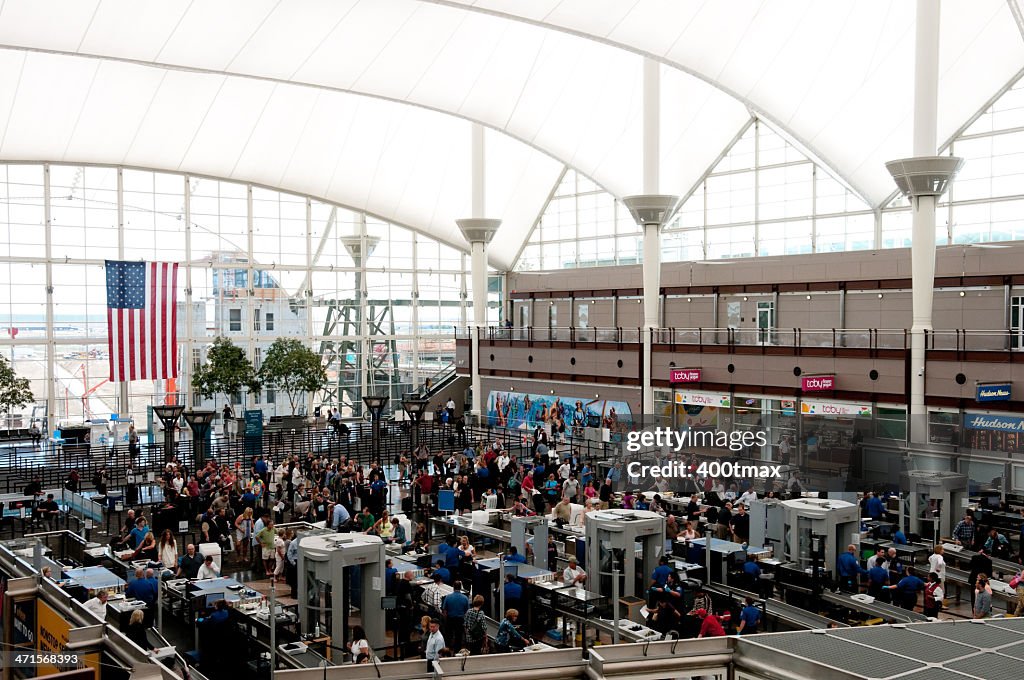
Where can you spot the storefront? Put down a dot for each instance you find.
(776, 417)
(831, 430)
(987, 431)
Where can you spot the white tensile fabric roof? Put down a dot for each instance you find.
(369, 103)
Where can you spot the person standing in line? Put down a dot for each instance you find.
(434, 644)
(982, 598)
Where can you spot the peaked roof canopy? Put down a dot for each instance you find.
(368, 103)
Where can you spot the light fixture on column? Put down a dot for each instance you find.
(924, 175)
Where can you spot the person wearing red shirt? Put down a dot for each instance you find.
(710, 626)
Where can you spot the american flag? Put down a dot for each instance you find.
(142, 320)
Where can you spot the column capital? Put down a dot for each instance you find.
(647, 209)
(924, 175)
(478, 229)
(354, 246)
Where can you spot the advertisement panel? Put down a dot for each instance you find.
(702, 408)
(983, 421)
(684, 375)
(834, 408)
(994, 392)
(704, 399)
(817, 383)
(516, 410)
(52, 639)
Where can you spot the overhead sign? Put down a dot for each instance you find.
(817, 383)
(834, 408)
(982, 421)
(704, 399)
(684, 375)
(993, 392)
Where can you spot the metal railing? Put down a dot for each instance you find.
(830, 338)
(962, 340)
(435, 382)
(20, 464)
(617, 335)
(862, 338)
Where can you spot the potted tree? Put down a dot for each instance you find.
(227, 370)
(15, 392)
(294, 369)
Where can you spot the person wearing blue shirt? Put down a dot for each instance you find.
(899, 538)
(390, 576)
(878, 577)
(453, 611)
(139, 532)
(513, 592)
(339, 516)
(750, 616)
(848, 567)
(661, 572)
(874, 507)
(220, 613)
(753, 573)
(440, 570)
(143, 589)
(514, 556)
(908, 587)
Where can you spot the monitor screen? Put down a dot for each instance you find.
(738, 558)
(883, 532)
(211, 599)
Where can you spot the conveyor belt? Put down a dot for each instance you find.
(1000, 589)
(877, 609)
(777, 609)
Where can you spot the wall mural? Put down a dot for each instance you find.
(516, 410)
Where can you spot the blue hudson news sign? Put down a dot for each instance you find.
(981, 421)
(993, 392)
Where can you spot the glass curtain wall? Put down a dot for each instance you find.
(377, 301)
(766, 198)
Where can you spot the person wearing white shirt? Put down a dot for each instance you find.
(435, 643)
(564, 470)
(878, 559)
(748, 497)
(937, 564)
(503, 461)
(573, 575)
(98, 604)
(208, 569)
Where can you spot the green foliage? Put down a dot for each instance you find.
(294, 368)
(15, 392)
(226, 371)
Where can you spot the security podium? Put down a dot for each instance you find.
(933, 501)
(627, 541)
(336, 570)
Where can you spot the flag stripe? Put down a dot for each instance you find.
(142, 320)
(153, 326)
(172, 359)
(133, 352)
(110, 344)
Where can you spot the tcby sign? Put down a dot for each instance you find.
(684, 375)
(817, 383)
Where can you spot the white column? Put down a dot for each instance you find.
(651, 232)
(51, 346)
(478, 231)
(187, 365)
(306, 298)
(122, 387)
(926, 87)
